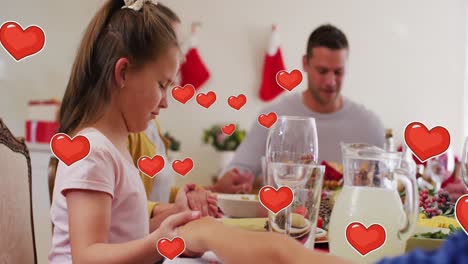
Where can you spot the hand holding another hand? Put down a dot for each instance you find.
(234, 181)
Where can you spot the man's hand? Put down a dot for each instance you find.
(233, 181)
(168, 227)
(456, 189)
(196, 232)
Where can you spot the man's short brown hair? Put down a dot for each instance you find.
(327, 36)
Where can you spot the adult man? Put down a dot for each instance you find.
(338, 118)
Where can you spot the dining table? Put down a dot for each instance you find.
(251, 224)
(423, 226)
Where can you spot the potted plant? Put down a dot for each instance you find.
(225, 145)
(174, 147)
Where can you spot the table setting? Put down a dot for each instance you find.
(371, 188)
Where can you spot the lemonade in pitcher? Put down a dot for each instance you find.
(369, 196)
(366, 205)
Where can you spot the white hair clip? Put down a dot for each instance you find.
(137, 4)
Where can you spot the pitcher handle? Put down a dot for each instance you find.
(411, 206)
(464, 174)
(464, 163)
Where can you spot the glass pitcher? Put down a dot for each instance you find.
(464, 163)
(370, 196)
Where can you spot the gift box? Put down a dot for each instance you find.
(42, 123)
(40, 131)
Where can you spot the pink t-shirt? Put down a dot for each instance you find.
(106, 170)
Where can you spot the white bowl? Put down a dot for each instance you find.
(241, 205)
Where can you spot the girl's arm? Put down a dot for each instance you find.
(89, 214)
(233, 245)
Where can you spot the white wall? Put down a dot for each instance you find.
(406, 63)
(465, 93)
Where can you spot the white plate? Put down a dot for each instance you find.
(319, 233)
(238, 197)
(321, 236)
(294, 230)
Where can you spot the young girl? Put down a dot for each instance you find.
(160, 189)
(125, 63)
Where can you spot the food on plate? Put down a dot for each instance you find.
(433, 204)
(333, 171)
(300, 226)
(325, 210)
(437, 221)
(438, 234)
(337, 166)
(434, 235)
(298, 221)
(332, 184)
(320, 222)
(249, 198)
(302, 210)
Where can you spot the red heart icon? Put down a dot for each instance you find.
(151, 167)
(276, 200)
(426, 144)
(365, 240)
(206, 100)
(69, 150)
(287, 80)
(182, 167)
(237, 102)
(461, 212)
(183, 94)
(229, 129)
(267, 120)
(171, 249)
(21, 43)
